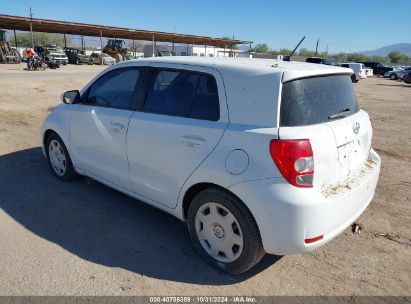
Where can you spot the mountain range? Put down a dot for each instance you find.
(404, 48)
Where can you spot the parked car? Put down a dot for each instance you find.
(358, 69)
(52, 54)
(76, 56)
(369, 72)
(397, 74)
(319, 60)
(260, 157)
(378, 68)
(407, 78)
(95, 58)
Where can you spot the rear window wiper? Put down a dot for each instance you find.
(341, 114)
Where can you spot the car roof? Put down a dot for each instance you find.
(290, 69)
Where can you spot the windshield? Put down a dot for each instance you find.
(316, 100)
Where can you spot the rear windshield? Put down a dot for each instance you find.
(315, 100)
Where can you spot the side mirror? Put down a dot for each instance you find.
(71, 97)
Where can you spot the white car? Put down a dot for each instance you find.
(95, 58)
(257, 156)
(369, 72)
(358, 69)
(52, 54)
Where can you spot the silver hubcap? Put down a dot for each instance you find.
(57, 158)
(219, 232)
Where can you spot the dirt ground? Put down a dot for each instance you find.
(83, 238)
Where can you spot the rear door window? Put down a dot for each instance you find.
(206, 103)
(183, 93)
(317, 100)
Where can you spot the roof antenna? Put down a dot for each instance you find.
(288, 58)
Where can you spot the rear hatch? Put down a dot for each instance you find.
(324, 109)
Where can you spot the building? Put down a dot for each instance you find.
(190, 50)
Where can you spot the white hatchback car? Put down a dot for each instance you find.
(257, 156)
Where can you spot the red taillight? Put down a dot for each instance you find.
(294, 159)
(318, 238)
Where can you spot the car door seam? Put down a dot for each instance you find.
(215, 146)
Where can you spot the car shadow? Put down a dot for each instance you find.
(395, 85)
(102, 225)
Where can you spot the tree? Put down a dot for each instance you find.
(284, 51)
(261, 48)
(397, 57)
(24, 39)
(357, 57)
(380, 59)
(307, 53)
(234, 46)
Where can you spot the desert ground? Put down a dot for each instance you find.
(83, 238)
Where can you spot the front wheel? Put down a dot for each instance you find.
(59, 159)
(393, 76)
(224, 231)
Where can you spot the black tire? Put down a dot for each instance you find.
(252, 251)
(393, 76)
(353, 78)
(70, 174)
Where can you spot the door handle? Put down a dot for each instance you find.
(193, 141)
(118, 127)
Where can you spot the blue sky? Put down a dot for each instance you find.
(347, 25)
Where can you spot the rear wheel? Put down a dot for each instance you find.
(17, 56)
(224, 232)
(353, 78)
(59, 159)
(393, 76)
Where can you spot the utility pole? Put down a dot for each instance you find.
(101, 48)
(154, 48)
(31, 28)
(15, 38)
(316, 48)
(232, 53)
(173, 41)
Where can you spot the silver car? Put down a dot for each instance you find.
(398, 74)
(95, 58)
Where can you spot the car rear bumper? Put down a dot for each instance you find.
(287, 215)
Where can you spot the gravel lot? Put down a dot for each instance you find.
(83, 238)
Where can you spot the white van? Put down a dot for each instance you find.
(358, 69)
